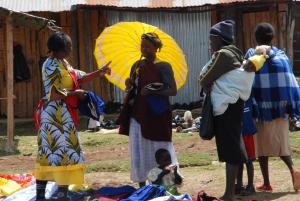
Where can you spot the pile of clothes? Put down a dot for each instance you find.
(22, 187)
(129, 193)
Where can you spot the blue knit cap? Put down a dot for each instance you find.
(225, 30)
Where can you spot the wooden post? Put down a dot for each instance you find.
(10, 86)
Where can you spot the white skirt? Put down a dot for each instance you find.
(143, 151)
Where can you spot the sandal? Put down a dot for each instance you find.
(249, 190)
(296, 180)
(239, 189)
(264, 188)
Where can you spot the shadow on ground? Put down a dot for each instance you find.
(266, 196)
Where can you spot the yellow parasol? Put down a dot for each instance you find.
(121, 44)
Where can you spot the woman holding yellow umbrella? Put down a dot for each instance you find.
(149, 130)
(148, 64)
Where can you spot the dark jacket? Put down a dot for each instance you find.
(226, 59)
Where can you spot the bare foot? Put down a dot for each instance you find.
(296, 180)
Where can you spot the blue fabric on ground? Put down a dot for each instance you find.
(146, 193)
(112, 191)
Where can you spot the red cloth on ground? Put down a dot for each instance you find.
(24, 180)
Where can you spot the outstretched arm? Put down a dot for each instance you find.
(96, 74)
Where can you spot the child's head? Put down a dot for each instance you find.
(163, 157)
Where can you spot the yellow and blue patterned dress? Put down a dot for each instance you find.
(60, 156)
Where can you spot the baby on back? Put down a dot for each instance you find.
(236, 84)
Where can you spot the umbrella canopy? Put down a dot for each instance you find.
(121, 44)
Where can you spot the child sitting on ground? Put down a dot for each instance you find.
(166, 173)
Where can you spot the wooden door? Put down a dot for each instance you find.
(250, 20)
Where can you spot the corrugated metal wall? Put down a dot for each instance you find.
(190, 30)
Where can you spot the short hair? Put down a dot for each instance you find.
(159, 153)
(264, 33)
(153, 38)
(58, 41)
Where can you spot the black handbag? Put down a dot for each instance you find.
(207, 131)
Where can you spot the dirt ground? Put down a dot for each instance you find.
(210, 178)
(212, 182)
(27, 162)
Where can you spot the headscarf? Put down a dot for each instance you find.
(153, 38)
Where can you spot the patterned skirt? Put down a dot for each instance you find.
(60, 156)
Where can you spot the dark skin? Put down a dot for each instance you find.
(216, 43)
(62, 55)
(166, 165)
(148, 51)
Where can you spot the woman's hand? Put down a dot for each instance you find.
(81, 94)
(55, 95)
(105, 70)
(207, 89)
(249, 67)
(128, 84)
(171, 167)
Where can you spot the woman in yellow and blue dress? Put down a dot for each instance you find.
(60, 157)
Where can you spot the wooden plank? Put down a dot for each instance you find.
(21, 87)
(10, 86)
(290, 39)
(281, 34)
(22, 95)
(246, 30)
(81, 44)
(31, 93)
(282, 7)
(2, 71)
(27, 92)
(94, 32)
(74, 36)
(68, 18)
(38, 69)
(86, 40)
(62, 16)
(214, 15)
(107, 86)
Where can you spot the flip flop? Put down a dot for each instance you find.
(264, 188)
(296, 180)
